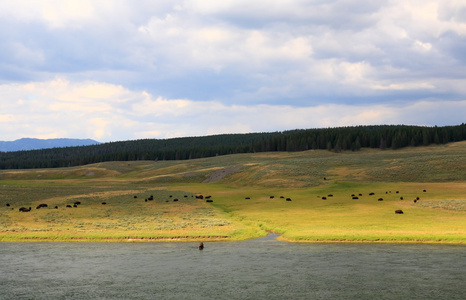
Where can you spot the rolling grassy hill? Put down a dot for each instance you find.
(241, 186)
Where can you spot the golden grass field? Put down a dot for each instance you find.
(438, 217)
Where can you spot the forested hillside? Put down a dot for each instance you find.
(333, 139)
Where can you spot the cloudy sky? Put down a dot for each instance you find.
(115, 70)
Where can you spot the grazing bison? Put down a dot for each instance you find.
(401, 198)
(68, 205)
(209, 200)
(371, 194)
(397, 192)
(271, 197)
(56, 207)
(41, 205)
(208, 197)
(104, 203)
(201, 246)
(24, 209)
(288, 199)
(247, 198)
(77, 203)
(398, 211)
(360, 194)
(330, 195)
(424, 191)
(324, 198)
(8, 204)
(355, 198)
(380, 199)
(199, 197)
(135, 196)
(415, 200)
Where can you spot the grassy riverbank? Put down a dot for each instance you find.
(241, 187)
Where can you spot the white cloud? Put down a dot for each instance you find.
(95, 115)
(124, 69)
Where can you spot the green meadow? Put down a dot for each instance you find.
(248, 194)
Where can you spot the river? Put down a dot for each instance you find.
(256, 269)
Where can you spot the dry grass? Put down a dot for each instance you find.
(439, 215)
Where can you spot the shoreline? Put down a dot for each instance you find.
(269, 237)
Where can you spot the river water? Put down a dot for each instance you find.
(257, 269)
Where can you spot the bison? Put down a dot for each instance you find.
(41, 205)
(398, 211)
(24, 209)
(201, 245)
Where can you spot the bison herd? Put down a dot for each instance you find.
(209, 200)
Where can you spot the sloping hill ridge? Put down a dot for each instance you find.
(334, 139)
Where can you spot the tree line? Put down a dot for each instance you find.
(333, 139)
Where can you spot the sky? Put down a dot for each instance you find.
(114, 70)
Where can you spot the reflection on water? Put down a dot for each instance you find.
(257, 269)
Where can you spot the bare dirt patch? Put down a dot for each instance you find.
(220, 174)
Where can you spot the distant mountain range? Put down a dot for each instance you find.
(34, 144)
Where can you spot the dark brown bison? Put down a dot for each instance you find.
(288, 199)
(77, 203)
(371, 194)
(324, 198)
(104, 203)
(8, 204)
(355, 198)
(68, 206)
(247, 198)
(209, 200)
(199, 197)
(398, 211)
(41, 205)
(380, 199)
(24, 209)
(201, 245)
